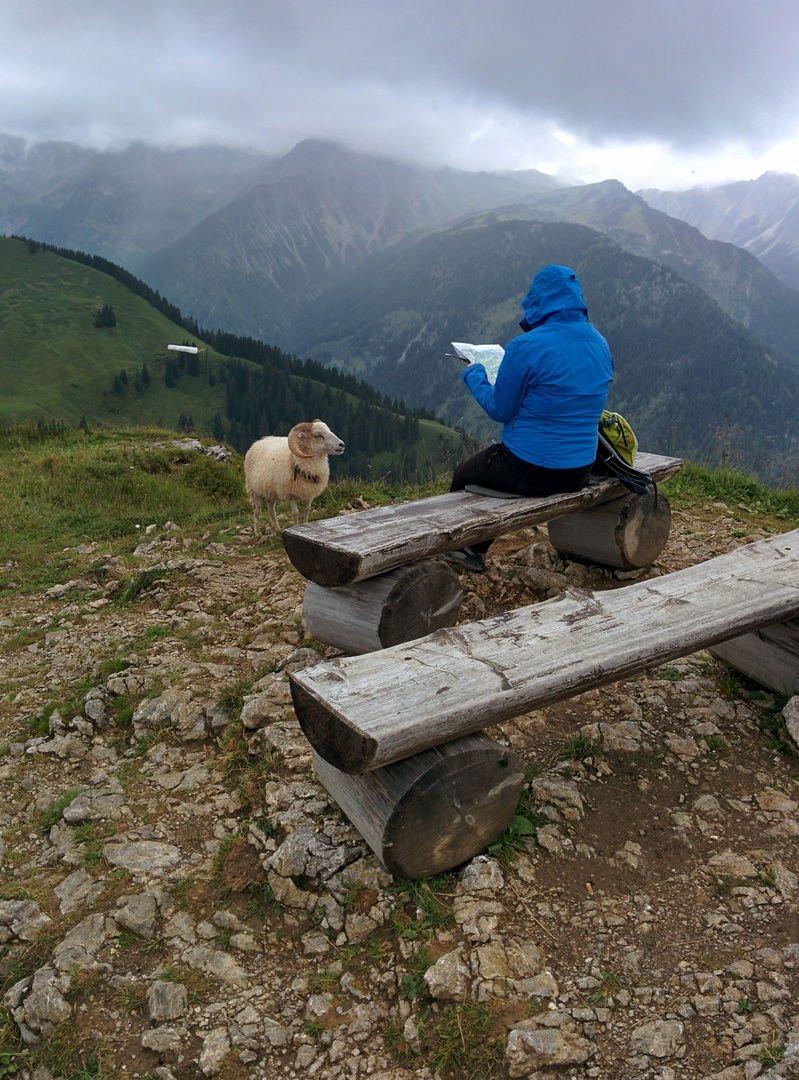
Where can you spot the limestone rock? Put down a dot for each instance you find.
(553, 1041)
(167, 1001)
(659, 1038)
(449, 978)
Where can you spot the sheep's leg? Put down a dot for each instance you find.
(307, 510)
(273, 517)
(256, 501)
(295, 515)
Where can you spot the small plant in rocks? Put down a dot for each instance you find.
(766, 875)
(579, 747)
(52, 815)
(609, 985)
(463, 1046)
(521, 831)
(771, 1054)
(422, 907)
(323, 981)
(413, 984)
(717, 743)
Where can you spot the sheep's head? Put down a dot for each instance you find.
(313, 439)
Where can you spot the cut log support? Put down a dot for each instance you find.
(363, 712)
(404, 604)
(627, 533)
(769, 656)
(432, 811)
(341, 550)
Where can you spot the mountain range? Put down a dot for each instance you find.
(760, 215)
(375, 266)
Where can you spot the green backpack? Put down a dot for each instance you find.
(620, 435)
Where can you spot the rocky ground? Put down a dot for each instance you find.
(180, 898)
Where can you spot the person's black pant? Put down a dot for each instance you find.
(497, 467)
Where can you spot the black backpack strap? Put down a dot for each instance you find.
(608, 463)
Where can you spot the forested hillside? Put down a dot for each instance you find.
(690, 379)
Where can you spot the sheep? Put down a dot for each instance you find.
(289, 469)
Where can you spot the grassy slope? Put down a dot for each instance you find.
(54, 362)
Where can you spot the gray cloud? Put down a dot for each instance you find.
(449, 82)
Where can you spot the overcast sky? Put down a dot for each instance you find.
(660, 93)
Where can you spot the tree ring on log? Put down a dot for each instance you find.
(401, 605)
(626, 533)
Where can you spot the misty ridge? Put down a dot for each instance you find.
(374, 266)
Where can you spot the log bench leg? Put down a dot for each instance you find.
(406, 603)
(435, 810)
(769, 656)
(626, 533)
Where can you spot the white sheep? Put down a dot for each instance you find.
(289, 469)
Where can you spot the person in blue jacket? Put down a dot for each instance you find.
(550, 390)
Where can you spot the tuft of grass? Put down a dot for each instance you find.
(422, 907)
(379, 949)
(239, 766)
(609, 985)
(92, 837)
(231, 697)
(771, 1054)
(132, 999)
(315, 1028)
(52, 816)
(670, 674)
(578, 748)
(324, 981)
(766, 875)
(14, 1057)
(463, 1045)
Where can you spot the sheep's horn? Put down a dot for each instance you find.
(297, 444)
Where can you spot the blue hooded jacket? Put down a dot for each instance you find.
(553, 381)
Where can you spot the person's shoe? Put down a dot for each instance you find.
(465, 557)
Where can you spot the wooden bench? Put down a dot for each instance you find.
(372, 583)
(343, 550)
(380, 714)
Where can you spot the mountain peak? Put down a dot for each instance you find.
(308, 156)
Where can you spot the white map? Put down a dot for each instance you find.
(490, 356)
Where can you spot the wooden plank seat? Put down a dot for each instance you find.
(344, 550)
(364, 712)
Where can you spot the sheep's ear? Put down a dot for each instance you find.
(299, 440)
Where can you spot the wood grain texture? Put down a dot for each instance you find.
(770, 656)
(432, 811)
(406, 603)
(363, 712)
(627, 533)
(341, 550)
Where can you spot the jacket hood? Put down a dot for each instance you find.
(554, 290)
